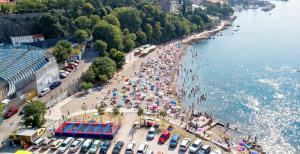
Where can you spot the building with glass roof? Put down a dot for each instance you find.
(25, 68)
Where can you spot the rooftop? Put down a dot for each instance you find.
(18, 64)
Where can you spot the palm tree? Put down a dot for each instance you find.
(115, 111)
(163, 114)
(140, 113)
(101, 110)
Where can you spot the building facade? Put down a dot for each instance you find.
(25, 70)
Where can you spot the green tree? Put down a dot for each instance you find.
(104, 68)
(95, 19)
(90, 75)
(128, 40)
(50, 26)
(141, 37)
(115, 111)
(81, 35)
(157, 34)
(108, 33)
(34, 114)
(62, 50)
(88, 8)
(101, 47)
(2, 106)
(140, 113)
(163, 114)
(118, 57)
(111, 19)
(129, 17)
(86, 85)
(83, 22)
(24, 6)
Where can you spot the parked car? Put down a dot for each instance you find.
(74, 64)
(151, 134)
(68, 69)
(95, 146)
(44, 92)
(70, 66)
(185, 143)
(86, 145)
(55, 84)
(76, 144)
(118, 147)
(130, 148)
(47, 143)
(38, 143)
(216, 152)
(63, 75)
(142, 148)
(12, 111)
(149, 152)
(205, 149)
(54, 145)
(76, 61)
(105, 146)
(174, 141)
(165, 135)
(65, 145)
(195, 146)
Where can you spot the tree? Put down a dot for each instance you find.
(81, 35)
(104, 68)
(2, 106)
(129, 17)
(34, 114)
(62, 50)
(101, 47)
(111, 19)
(115, 111)
(90, 75)
(50, 26)
(141, 37)
(163, 114)
(108, 33)
(118, 57)
(128, 40)
(83, 22)
(140, 113)
(88, 8)
(86, 85)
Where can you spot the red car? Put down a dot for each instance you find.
(12, 111)
(165, 135)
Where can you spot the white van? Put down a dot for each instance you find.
(185, 143)
(47, 142)
(65, 145)
(38, 143)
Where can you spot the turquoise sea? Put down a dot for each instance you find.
(251, 76)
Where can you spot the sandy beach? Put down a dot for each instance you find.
(129, 70)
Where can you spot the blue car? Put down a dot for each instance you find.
(105, 146)
(174, 141)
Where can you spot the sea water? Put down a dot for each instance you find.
(250, 74)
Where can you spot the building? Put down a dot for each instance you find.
(18, 40)
(169, 5)
(4, 1)
(25, 71)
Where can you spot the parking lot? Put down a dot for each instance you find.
(137, 135)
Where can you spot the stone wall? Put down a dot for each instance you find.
(16, 25)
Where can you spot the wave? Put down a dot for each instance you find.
(275, 84)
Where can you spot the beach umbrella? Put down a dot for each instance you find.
(254, 152)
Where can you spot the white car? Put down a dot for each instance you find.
(195, 146)
(76, 144)
(130, 148)
(54, 145)
(47, 143)
(38, 143)
(142, 148)
(185, 143)
(216, 152)
(65, 145)
(44, 92)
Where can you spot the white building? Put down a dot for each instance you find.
(18, 40)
